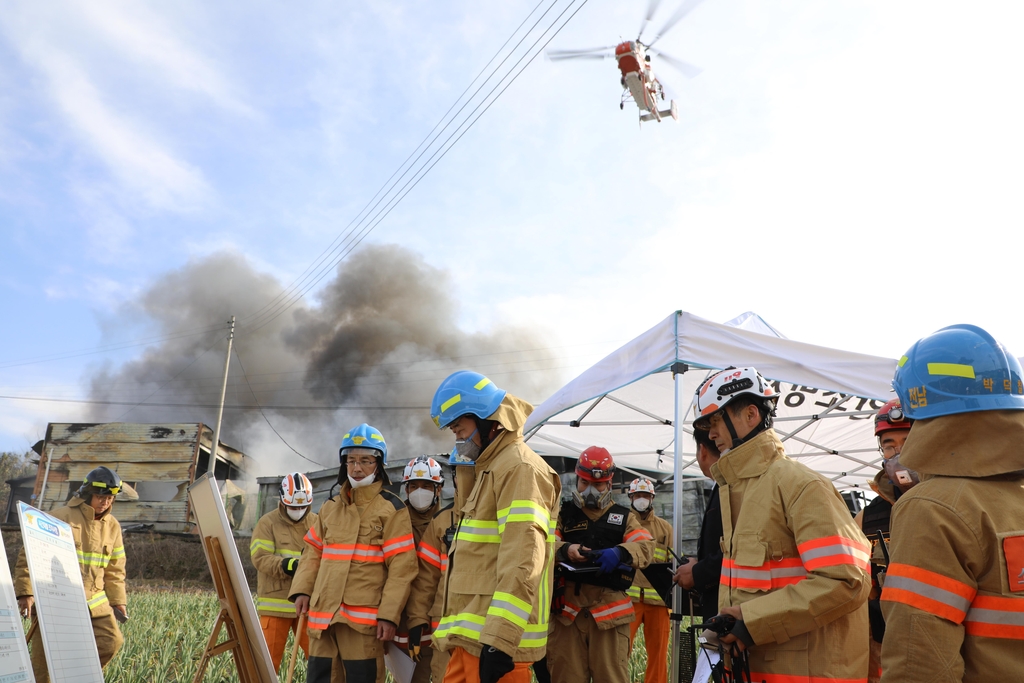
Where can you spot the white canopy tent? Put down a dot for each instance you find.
(637, 401)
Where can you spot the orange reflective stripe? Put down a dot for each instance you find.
(638, 535)
(789, 678)
(770, 575)
(612, 610)
(996, 617)
(319, 620)
(359, 615)
(314, 540)
(558, 534)
(831, 551)
(429, 554)
(570, 610)
(927, 591)
(353, 552)
(399, 544)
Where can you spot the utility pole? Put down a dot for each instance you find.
(223, 392)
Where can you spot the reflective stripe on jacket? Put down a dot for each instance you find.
(425, 598)
(661, 531)
(797, 563)
(498, 585)
(608, 607)
(276, 538)
(100, 557)
(358, 562)
(954, 587)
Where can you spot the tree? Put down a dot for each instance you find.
(12, 466)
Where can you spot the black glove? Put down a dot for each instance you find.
(289, 564)
(415, 635)
(876, 620)
(494, 664)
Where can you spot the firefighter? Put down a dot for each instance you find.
(426, 598)
(360, 558)
(953, 593)
(498, 586)
(891, 430)
(795, 573)
(423, 481)
(650, 609)
(102, 562)
(275, 549)
(591, 635)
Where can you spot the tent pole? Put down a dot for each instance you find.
(677, 514)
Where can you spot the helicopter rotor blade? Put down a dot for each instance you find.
(652, 7)
(562, 58)
(677, 16)
(685, 68)
(553, 53)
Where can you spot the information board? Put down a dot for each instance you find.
(15, 665)
(64, 620)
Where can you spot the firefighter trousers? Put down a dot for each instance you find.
(465, 668)
(581, 652)
(108, 641)
(343, 654)
(656, 632)
(275, 631)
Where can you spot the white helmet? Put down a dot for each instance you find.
(723, 387)
(296, 490)
(423, 468)
(642, 486)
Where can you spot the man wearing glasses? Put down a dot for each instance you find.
(101, 559)
(891, 429)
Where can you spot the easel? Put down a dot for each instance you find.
(230, 618)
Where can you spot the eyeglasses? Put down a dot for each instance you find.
(889, 451)
(363, 463)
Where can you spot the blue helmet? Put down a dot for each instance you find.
(959, 369)
(464, 393)
(364, 436)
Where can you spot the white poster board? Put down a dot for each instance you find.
(208, 509)
(15, 665)
(61, 608)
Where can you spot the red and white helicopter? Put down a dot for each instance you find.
(638, 81)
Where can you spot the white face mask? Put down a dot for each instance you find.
(641, 504)
(296, 514)
(365, 481)
(421, 499)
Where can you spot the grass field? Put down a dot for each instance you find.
(168, 630)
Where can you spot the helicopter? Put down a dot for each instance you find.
(639, 84)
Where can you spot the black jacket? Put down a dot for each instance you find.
(707, 573)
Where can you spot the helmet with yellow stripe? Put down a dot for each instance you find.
(959, 369)
(464, 393)
(101, 481)
(364, 437)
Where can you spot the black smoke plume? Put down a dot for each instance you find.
(372, 347)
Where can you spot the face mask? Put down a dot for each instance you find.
(641, 504)
(467, 448)
(421, 499)
(296, 515)
(365, 481)
(899, 474)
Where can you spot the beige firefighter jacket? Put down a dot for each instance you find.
(276, 538)
(358, 562)
(100, 557)
(797, 563)
(953, 596)
(498, 584)
(608, 607)
(426, 597)
(661, 532)
(420, 520)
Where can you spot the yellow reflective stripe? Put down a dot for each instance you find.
(97, 600)
(524, 511)
(951, 370)
(534, 635)
(478, 531)
(93, 559)
(118, 553)
(275, 605)
(660, 555)
(903, 360)
(260, 544)
(465, 624)
(510, 607)
(481, 384)
(450, 402)
(544, 592)
(282, 552)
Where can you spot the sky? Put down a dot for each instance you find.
(848, 170)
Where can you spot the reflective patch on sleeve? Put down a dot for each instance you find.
(1013, 552)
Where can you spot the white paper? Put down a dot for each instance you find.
(15, 665)
(706, 660)
(64, 619)
(399, 664)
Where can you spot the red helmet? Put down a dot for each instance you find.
(595, 464)
(891, 417)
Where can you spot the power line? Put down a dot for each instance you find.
(201, 405)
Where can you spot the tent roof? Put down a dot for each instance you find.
(626, 401)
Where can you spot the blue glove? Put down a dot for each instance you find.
(608, 559)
